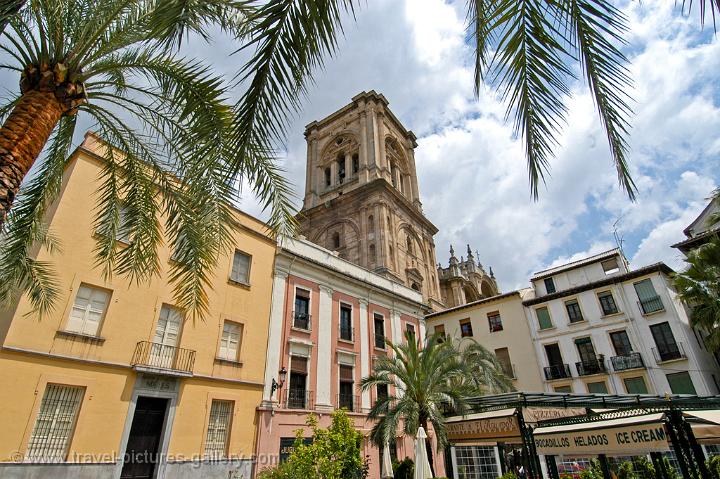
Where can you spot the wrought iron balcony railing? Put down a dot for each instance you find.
(633, 360)
(669, 352)
(302, 321)
(594, 366)
(350, 402)
(557, 371)
(161, 357)
(298, 398)
(651, 305)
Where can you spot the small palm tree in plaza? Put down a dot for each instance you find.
(430, 380)
(168, 129)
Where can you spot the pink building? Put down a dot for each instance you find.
(329, 319)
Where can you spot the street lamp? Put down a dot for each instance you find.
(277, 385)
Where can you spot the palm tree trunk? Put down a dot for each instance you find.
(22, 138)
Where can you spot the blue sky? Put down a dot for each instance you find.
(472, 171)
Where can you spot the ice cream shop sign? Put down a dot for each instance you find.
(634, 435)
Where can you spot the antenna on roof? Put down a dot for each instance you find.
(620, 240)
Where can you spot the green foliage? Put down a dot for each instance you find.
(435, 378)
(333, 454)
(404, 469)
(508, 475)
(713, 465)
(638, 468)
(592, 472)
(699, 287)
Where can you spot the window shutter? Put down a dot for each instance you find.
(230, 342)
(87, 310)
(543, 318)
(241, 267)
(346, 373)
(298, 365)
(645, 290)
(635, 385)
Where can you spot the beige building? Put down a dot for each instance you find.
(499, 324)
(115, 382)
(362, 198)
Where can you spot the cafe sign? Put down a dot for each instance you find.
(626, 440)
(483, 428)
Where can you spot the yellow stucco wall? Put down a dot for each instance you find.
(33, 350)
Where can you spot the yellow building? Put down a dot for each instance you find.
(115, 382)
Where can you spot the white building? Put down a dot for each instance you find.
(598, 327)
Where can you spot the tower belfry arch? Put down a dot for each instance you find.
(361, 171)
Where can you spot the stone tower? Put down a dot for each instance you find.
(361, 195)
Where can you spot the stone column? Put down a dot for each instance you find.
(324, 349)
(333, 173)
(348, 167)
(372, 148)
(382, 158)
(364, 350)
(275, 329)
(413, 178)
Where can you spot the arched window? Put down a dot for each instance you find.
(408, 242)
(372, 255)
(355, 164)
(371, 224)
(415, 287)
(328, 177)
(341, 167)
(393, 171)
(336, 240)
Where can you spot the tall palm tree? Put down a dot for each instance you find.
(167, 125)
(699, 287)
(429, 380)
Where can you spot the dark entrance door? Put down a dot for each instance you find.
(141, 453)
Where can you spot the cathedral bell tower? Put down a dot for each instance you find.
(361, 195)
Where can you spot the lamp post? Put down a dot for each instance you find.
(277, 385)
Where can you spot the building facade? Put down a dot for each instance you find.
(330, 320)
(116, 381)
(702, 229)
(499, 324)
(599, 327)
(465, 281)
(362, 198)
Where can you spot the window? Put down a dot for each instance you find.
(563, 389)
(379, 323)
(301, 315)
(635, 385)
(297, 395)
(667, 348)
(341, 168)
(549, 285)
(466, 328)
(476, 462)
(371, 224)
(410, 331)
(439, 329)
(218, 429)
(681, 383)
(122, 233)
(347, 388)
(586, 350)
(372, 255)
(648, 298)
(495, 322)
(543, 317)
(54, 424)
(573, 311)
(597, 388)
(241, 267)
(610, 266)
(346, 329)
(230, 341)
(381, 392)
(621, 343)
(607, 303)
(503, 356)
(409, 245)
(355, 164)
(88, 310)
(328, 177)
(336, 240)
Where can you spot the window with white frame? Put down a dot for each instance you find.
(55, 423)
(88, 310)
(241, 267)
(230, 341)
(218, 430)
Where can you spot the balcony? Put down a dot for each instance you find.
(163, 359)
(349, 402)
(557, 371)
(669, 352)
(651, 305)
(302, 321)
(380, 341)
(595, 366)
(629, 361)
(298, 399)
(347, 333)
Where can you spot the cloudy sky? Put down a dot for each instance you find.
(472, 171)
